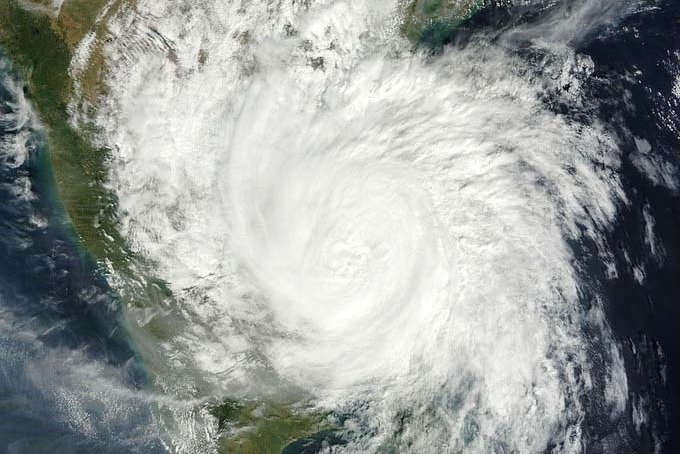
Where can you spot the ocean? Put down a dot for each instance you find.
(71, 380)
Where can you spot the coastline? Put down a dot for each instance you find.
(71, 177)
(59, 228)
(41, 47)
(41, 44)
(35, 48)
(59, 318)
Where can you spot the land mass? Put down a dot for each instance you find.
(41, 38)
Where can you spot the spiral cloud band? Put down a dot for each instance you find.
(386, 230)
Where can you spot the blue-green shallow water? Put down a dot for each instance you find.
(69, 380)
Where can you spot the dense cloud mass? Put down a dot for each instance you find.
(389, 230)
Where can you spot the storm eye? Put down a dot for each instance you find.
(352, 226)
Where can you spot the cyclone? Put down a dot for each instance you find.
(390, 231)
(405, 236)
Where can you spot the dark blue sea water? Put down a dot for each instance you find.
(70, 381)
(631, 91)
(645, 316)
(68, 377)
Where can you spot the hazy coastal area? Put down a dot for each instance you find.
(339, 226)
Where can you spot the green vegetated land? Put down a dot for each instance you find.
(431, 23)
(41, 43)
(253, 427)
(41, 40)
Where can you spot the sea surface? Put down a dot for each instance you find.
(66, 367)
(71, 382)
(643, 307)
